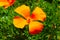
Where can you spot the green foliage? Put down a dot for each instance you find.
(52, 23)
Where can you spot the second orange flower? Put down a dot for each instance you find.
(34, 26)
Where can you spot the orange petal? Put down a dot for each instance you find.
(6, 3)
(11, 2)
(35, 27)
(19, 22)
(3, 0)
(38, 14)
(23, 10)
(3, 3)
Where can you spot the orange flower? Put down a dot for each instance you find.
(6, 3)
(34, 26)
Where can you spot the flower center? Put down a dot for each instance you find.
(29, 20)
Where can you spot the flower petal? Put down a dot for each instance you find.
(11, 2)
(6, 3)
(23, 10)
(38, 14)
(19, 22)
(35, 27)
(3, 0)
(3, 3)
